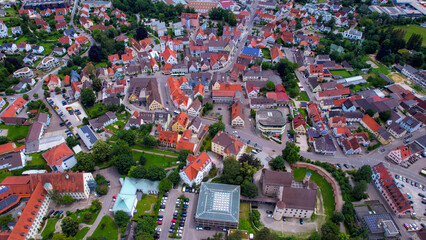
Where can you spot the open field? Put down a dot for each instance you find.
(144, 205)
(410, 29)
(16, 132)
(110, 229)
(154, 160)
(244, 218)
(50, 227)
(342, 73)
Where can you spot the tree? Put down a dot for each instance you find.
(370, 47)
(102, 189)
(96, 54)
(315, 236)
(57, 90)
(128, 136)
(55, 196)
(183, 154)
(270, 86)
(250, 159)
(149, 141)
(218, 236)
(88, 98)
(278, 163)
(174, 177)
(337, 217)
(97, 84)
(253, 113)
(71, 142)
(359, 190)
(142, 160)
(155, 173)
(146, 225)
(6, 219)
(35, 95)
(329, 231)
(165, 185)
(137, 172)
(291, 153)
(231, 171)
(120, 148)
(123, 163)
(141, 33)
(121, 218)
(249, 189)
(216, 127)
(45, 93)
(67, 199)
(415, 41)
(3, 140)
(265, 233)
(87, 217)
(60, 236)
(363, 174)
(237, 235)
(25, 97)
(96, 205)
(385, 115)
(370, 112)
(101, 151)
(69, 226)
(85, 162)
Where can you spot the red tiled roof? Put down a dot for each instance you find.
(168, 137)
(182, 119)
(18, 104)
(369, 121)
(299, 120)
(196, 164)
(57, 154)
(81, 39)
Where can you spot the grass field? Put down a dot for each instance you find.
(154, 160)
(266, 53)
(410, 29)
(326, 190)
(303, 96)
(342, 73)
(37, 159)
(244, 221)
(80, 235)
(50, 227)
(101, 64)
(79, 216)
(16, 133)
(139, 147)
(303, 112)
(145, 205)
(4, 175)
(110, 230)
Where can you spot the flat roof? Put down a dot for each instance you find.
(218, 202)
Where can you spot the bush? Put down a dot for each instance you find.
(87, 217)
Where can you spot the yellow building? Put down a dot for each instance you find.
(180, 122)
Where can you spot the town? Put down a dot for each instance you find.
(212, 119)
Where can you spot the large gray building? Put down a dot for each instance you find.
(218, 205)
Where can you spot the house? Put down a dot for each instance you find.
(252, 90)
(30, 58)
(3, 30)
(81, 40)
(324, 145)
(298, 124)
(52, 82)
(88, 136)
(65, 40)
(16, 30)
(59, 51)
(180, 122)
(37, 49)
(23, 73)
(48, 63)
(114, 59)
(410, 124)
(103, 121)
(190, 20)
(400, 154)
(370, 124)
(195, 125)
(60, 158)
(351, 146)
(178, 29)
(276, 54)
(352, 34)
(383, 136)
(348, 106)
(197, 167)
(396, 130)
(14, 109)
(169, 56)
(70, 33)
(262, 103)
(168, 138)
(86, 22)
(195, 108)
(227, 145)
(237, 114)
(334, 122)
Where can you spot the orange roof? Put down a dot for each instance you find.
(67, 80)
(127, 57)
(18, 104)
(187, 134)
(81, 39)
(57, 154)
(373, 125)
(233, 87)
(167, 67)
(168, 53)
(185, 145)
(7, 147)
(334, 92)
(316, 68)
(113, 58)
(199, 89)
(237, 110)
(405, 152)
(298, 121)
(182, 119)
(168, 137)
(195, 164)
(12, 180)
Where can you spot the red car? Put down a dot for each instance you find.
(160, 223)
(173, 220)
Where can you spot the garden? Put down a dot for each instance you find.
(106, 228)
(343, 73)
(154, 160)
(244, 221)
(146, 204)
(16, 132)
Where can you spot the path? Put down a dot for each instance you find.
(159, 154)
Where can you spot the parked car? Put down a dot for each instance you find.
(269, 212)
(301, 221)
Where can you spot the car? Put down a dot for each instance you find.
(158, 229)
(346, 165)
(160, 216)
(284, 219)
(50, 213)
(64, 103)
(56, 213)
(411, 202)
(160, 223)
(338, 165)
(159, 219)
(207, 228)
(179, 235)
(165, 198)
(382, 150)
(68, 124)
(163, 206)
(200, 228)
(61, 124)
(167, 102)
(402, 185)
(184, 212)
(269, 215)
(179, 231)
(397, 176)
(412, 183)
(424, 201)
(407, 180)
(269, 212)
(186, 200)
(181, 224)
(173, 221)
(423, 225)
(183, 215)
(301, 221)
(165, 194)
(219, 108)
(409, 196)
(171, 230)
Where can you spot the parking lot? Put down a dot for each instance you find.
(409, 187)
(68, 111)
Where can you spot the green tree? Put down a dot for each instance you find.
(249, 189)
(363, 173)
(85, 162)
(149, 141)
(370, 112)
(174, 177)
(253, 113)
(87, 217)
(329, 231)
(97, 84)
(67, 199)
(231, 172)
(216, 127)
(137, 172)
(4, 140)
(155, 173)
(55, 196)
(142, 160)
(337, 217)
(415, 41)
(6, 219)
(146, 225)
(237, 235)
(101, 151)
(183, 154)
(121, 218)
(128, 136)
(71, 142)
(385, 115)
(359, 190)
(165, 185)
(60, 236)
(102, 189)
(123, 163)
(270, 86)
(278, 163)
(25, 97)
(291, 153)
(265, 233)
(88, 97)
(315, 236)
(35, 95)
(96, 205)
(69, 226)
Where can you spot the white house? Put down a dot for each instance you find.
(3, 30)
(60, 158)
(352, 34)
(197, 167)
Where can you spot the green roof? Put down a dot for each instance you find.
(220, 202)
(124, 203)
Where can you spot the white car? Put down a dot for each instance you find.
(161, 210)
(179, 235)
(179, 231)
(158, 229)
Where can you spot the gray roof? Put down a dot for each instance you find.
(384, 133)
(219, 202)
(277, 177)
(410, 121)
(34, 132)
(99, 122)
(396, 128)
(410, 69)
(196, 122)
(270, 117)
(300, 198)
(88, 134)
(12, 160)
(421, 141)
(313, 81)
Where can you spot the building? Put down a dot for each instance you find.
(410, 124)
(386, 185)
(103, 121)
(60, 158)
(400, 154)
(3, 30)
(14, 109)
(324, 145)
(88, 136)
(237, 116)
(295, 199)
(218, 205)
(14, 160)
(414, 75)
(48, 63)
(189, 20)
(197, 167)
(168, 138)
(227, 145)
(25, 72)
(36, 187)
(270, 121)
(180, 122)
(369, 123)
(298, 124)
(35, 133)
(352, 34)
(145, 91)
(195, 108)
(46, 4)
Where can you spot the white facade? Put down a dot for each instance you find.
(66, 164)
(200, 175)
(38, 219)
(3, 30)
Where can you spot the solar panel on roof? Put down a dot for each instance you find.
(8, 202)
(372, 221)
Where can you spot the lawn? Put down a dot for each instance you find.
(37, 159)
(79, 216)
(4, 175)
(381, 68)
(266, 53)
(303, 96)
(139, 147)
(109, 229)
(96, 111)
(101, 64)
(50, 227)
(47, 48)
(80, 235)
(244, 222)
(16, 133)
(303, 112)
(410, 29)
(145, 205)
(154, 160)
(359, 87)
(326, 190)
(342, 73)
